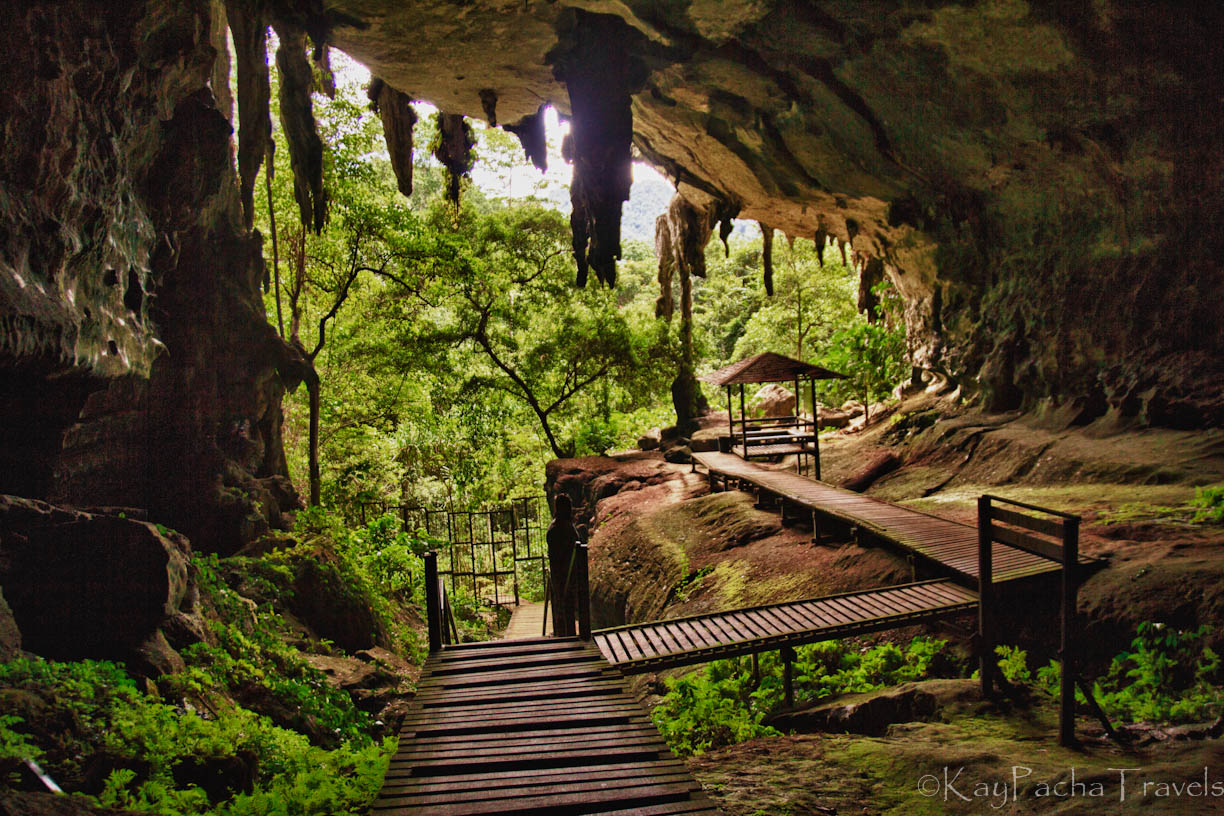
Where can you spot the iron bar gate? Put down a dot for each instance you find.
(491, 553)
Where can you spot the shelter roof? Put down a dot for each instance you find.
(769, 367)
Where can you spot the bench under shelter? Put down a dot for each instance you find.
(769, 437)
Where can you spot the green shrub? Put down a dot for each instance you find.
(1167, 676)
(105, 711)
(723, 703)
(1210, 503)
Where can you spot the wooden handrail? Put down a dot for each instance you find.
(1065, 551)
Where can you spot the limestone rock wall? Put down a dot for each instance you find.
(136, 365)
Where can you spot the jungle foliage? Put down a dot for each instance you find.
(449, 354)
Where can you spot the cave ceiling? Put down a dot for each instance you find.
(1018, 167)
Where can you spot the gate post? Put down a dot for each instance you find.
(433, 610)
(584, 591)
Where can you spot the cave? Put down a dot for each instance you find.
(1040, 181)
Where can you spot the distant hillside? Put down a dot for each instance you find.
(648, 199)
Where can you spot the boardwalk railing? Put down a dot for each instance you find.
(440, 618)
(1053, 536)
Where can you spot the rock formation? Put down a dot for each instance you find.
(136, 366)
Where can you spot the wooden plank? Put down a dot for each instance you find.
(645, 794)
(695, 634)
(492, 781)
(1029, 543)
(686, 639)
(626, 646)
(509, 794)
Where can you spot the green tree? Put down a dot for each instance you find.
(508, 295)
(872, 356)
(812, 301)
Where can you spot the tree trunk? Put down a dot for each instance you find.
(316, 483)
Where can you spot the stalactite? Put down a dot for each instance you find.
(841, 247)
(398, 118)
(488, 101)
(454, 150)
(821, 239)
(297, 119)
(250, 33)
(601, 81)
(868, 300)
(665, 304)
(531, 135)
(681, 235)
(767, 257)
(327, 79)
(725, 212)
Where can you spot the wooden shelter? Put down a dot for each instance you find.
(773, 436)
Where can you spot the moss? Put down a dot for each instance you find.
(1066, 497)
(881, 775)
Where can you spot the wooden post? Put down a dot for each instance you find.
(787, 654)
(433, 609)
(743, 421)
(514, 550)
(450, 614)
(584, 591)
(815, 426)
(547, 578)
(1066, 713)
(985, 598)
(730, 416)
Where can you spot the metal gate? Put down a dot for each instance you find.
(498, 554)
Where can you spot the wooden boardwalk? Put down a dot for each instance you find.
(527, 621)
(683, 641)
(546, 726)
(533, 726)
(949, 545)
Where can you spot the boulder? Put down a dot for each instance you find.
(580, 478)
(706, 439)
(650, 440)
(324, 599)
(679, 455)
(774, 400)
(832, 417)
(872, 713)
(90, 586)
